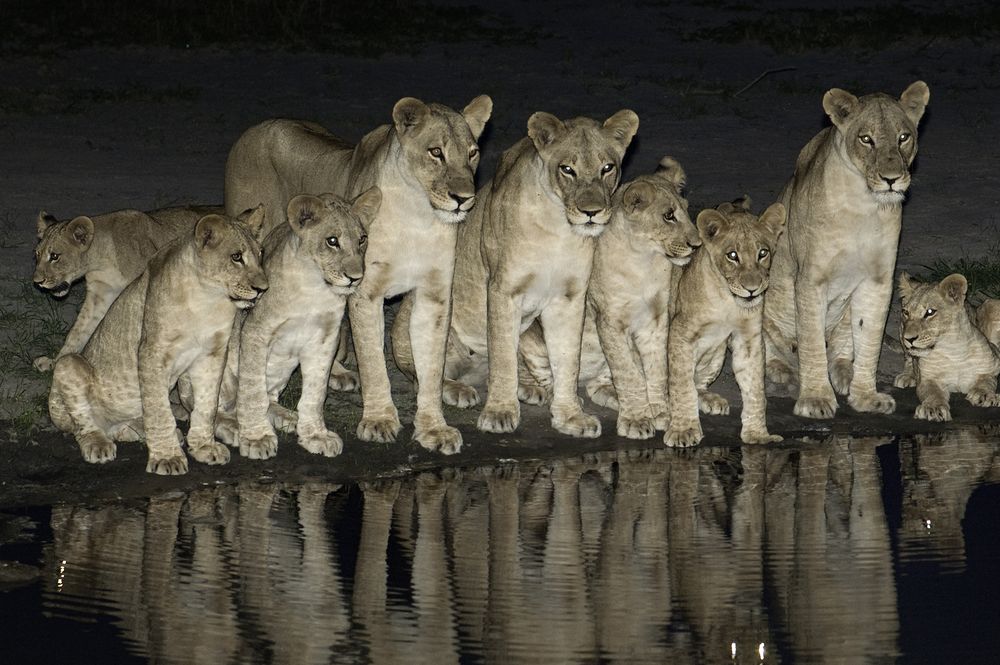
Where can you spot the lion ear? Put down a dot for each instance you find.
(254, 219)
(81, 229)
(906, 285)
(839, 104)
(303, 211)
(774, 218)
(671, 170)
(477, 113)
(954, 287)
(544, 128)
(637, 196)
(44, 221)
(710, 222)
(622, 126)
(209, 230)
(366, 206)
(914, 100)
(408, 113)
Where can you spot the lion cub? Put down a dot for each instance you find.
(108, 251)
(718, 304)
(174, 319)
(949, 353)
(313, 263)
(624, 349)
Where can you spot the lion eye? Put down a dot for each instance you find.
(363, 240)
(473, 153)
(906, 314)
(929, 312)
(903, 138)
(436, 153)
(867, 140)
(566, 169)
(607, 168)
(763, 254)
(733, 256)
(669, 217)
(237, 257)
(332, 241)
(53, 257)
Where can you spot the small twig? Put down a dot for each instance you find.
(757, 80)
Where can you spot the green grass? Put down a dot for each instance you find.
(982, 273)
(69, 101)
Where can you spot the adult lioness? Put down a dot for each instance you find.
(526, 253)
(313, 263)
(624, 351)
(718, 305)
(424, 163)
(831, 281)
(949, 352)
(174, 318)
(108, 251)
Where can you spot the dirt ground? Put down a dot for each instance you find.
(99, 129)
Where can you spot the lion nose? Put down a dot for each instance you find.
(750, 291)
(258, 290)
(889, 181)
(459, 199)
(352, 279)
(911, 340)
(590, 213)
(694, 245)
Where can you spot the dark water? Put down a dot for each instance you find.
(835, 551)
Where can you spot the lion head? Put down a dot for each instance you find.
(740, 246)
(582, 160)
(228, 254)
(929, 310)
(61, 252)
(439, 146)
(331, 233)
(879, 136)
(657, 213)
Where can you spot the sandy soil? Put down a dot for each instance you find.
(97, 130)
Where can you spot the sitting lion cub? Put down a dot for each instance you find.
(624, 352)
(949, 353)
(313, 263)
(108, 251)
(174, 318)
(718, 304)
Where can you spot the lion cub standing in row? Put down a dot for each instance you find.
(424, 163)
(175, 318)
(313, 263)
(624, 352)
(949, 352)
(108, 251)
(718, 304)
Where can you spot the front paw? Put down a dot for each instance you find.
(43, 364)
(536, 395)
(841, 375)
(499, 419)
(635, 427)
(281, 418)
(322, 442)
(759, 436)
(344, 380)
(172, 465)
(579, 424)
(212, 452)
(681, 436)
(815, 406)
(456, 393)
(933, 411)
(713, 404)
(983, 398)
(905, 379)
(442, 438)
(97, 448)
(603, 393)
(779, 372)
(872, 403)
(258, 446)
(227, 429)
(661, 416)
(379, 429)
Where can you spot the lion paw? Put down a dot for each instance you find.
(227, 429)
(841, 375)
(635, 427)
(713, 404)
(126, 433)
(533, 394)
(173, 465)
(43, 364)
(933, 411)
(381, 429)
(580, 424)
(97, 448)
(815, 406)
(343, 379)
(456, 393)
(983, 398)
(779, 372)
(683, 437)
(264, 446)
(603, 393)
(212, 452)
(905, 379)
(499, 420)
(759, 436)
(322, 442)
(281, 418)
(872, 403)
(442, 438)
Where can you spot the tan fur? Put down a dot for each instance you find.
(948, 352)
(832, 277)
(107, 251)
(527, 251)
(174, 319)
(623, 357)
(313, 263)
(718, 305)
(424, 163)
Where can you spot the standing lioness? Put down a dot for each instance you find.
(831, 281)
(424, 164)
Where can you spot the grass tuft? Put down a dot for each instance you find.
(982, 273)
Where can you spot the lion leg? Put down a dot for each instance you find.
(908, 377)
(706, 371)
(869, 309)
(534, 373)
(72, 408)
(311, 429)
(256, 436)
(634, 421)
(379, 419)
(816, 396)
(685, 426)
(502, 412)
(206, 377)
(95, 305)
(341, 378)
(840, 355)
(651, 344)
(429, 322)
(563, 319)
(748, 366)
(984, 391)
(934, 404)
(779, 354)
